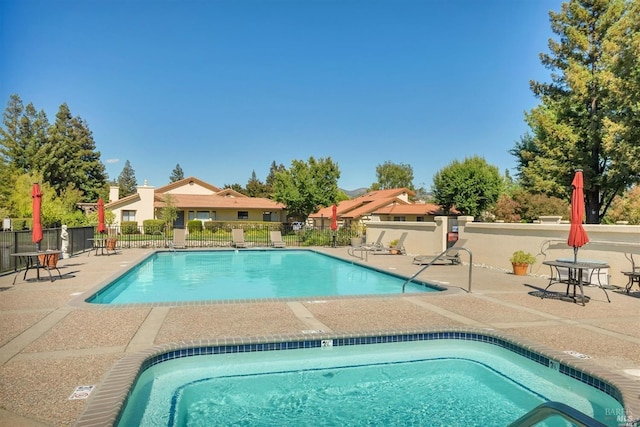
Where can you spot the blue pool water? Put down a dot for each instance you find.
(443, 382)
(225, 275)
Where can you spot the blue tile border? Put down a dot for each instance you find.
(87, 299)
(124, 374)
(385, 339)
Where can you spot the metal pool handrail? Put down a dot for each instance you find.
(436, 258)
(548, 409)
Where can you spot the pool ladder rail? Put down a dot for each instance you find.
(548, 409)
(437, 258)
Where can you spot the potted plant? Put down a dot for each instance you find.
(520, 260)
(357, 239)
(393, 245)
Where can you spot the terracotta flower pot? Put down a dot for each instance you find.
(520, 269)
(52, 260)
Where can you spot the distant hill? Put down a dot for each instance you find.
(354, 193)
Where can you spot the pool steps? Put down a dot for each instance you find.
(548, 409)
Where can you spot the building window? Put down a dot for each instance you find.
(420, 219)
(243, 215)
(266, 216)
(128, 215)
(399, 218)
(201, 215)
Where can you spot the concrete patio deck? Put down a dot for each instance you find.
(51, 342)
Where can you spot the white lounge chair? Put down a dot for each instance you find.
(452, 255)
(390, 250)
(367, 246)
(179, 238)
(237, 236)
(276, 239)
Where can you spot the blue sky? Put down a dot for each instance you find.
(224, 88)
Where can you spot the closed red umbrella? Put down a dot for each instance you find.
(577, 235)
(101, 227)
(334, 218)
(36, 229)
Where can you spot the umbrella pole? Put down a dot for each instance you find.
(575, 254)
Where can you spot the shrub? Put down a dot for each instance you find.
(129, 227)
(194, 226)
(19, 224)
(213, 226)
(153, 226)
(532, 206)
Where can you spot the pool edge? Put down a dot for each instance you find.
(81, 301)
(106, 403)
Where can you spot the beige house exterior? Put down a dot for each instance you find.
(360, 210)
(419, 212)
(194, 199)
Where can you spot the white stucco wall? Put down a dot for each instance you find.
(191, 188)
(493, 243)
(144, 208)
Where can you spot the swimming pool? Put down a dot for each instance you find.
(443, 378)
(247, 274)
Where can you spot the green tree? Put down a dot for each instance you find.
(236, 187)
(506, 209)
(33, 133)
(392, 175)
(271, 177)
(55, 209)
(533, 206)
(169, 212)
(91, 175)
(470, 186)
(626, 207)
(12, 147)
(177, 174)
(55, 157)
(127, 180)
(69, 157)
(586, 119)
(255, 187)
(307, 186)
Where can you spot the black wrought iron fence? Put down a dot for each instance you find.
(255, 235)
(20, 241)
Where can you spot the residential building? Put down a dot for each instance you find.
(355, 212)
(421, 212)
(194, 199)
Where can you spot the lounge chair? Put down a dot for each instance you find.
(276, 239)
(367, 246)
(179, 239)
(392, 250)
(451, 255)
(238, 238)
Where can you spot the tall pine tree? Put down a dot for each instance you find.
(177, 174)
(580, 122)
(127, 180)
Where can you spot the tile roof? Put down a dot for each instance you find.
(123, 201)
(215, 201)
(184, 181)
(365, 204)
(411, 209)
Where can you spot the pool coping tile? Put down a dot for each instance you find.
(107, 401)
